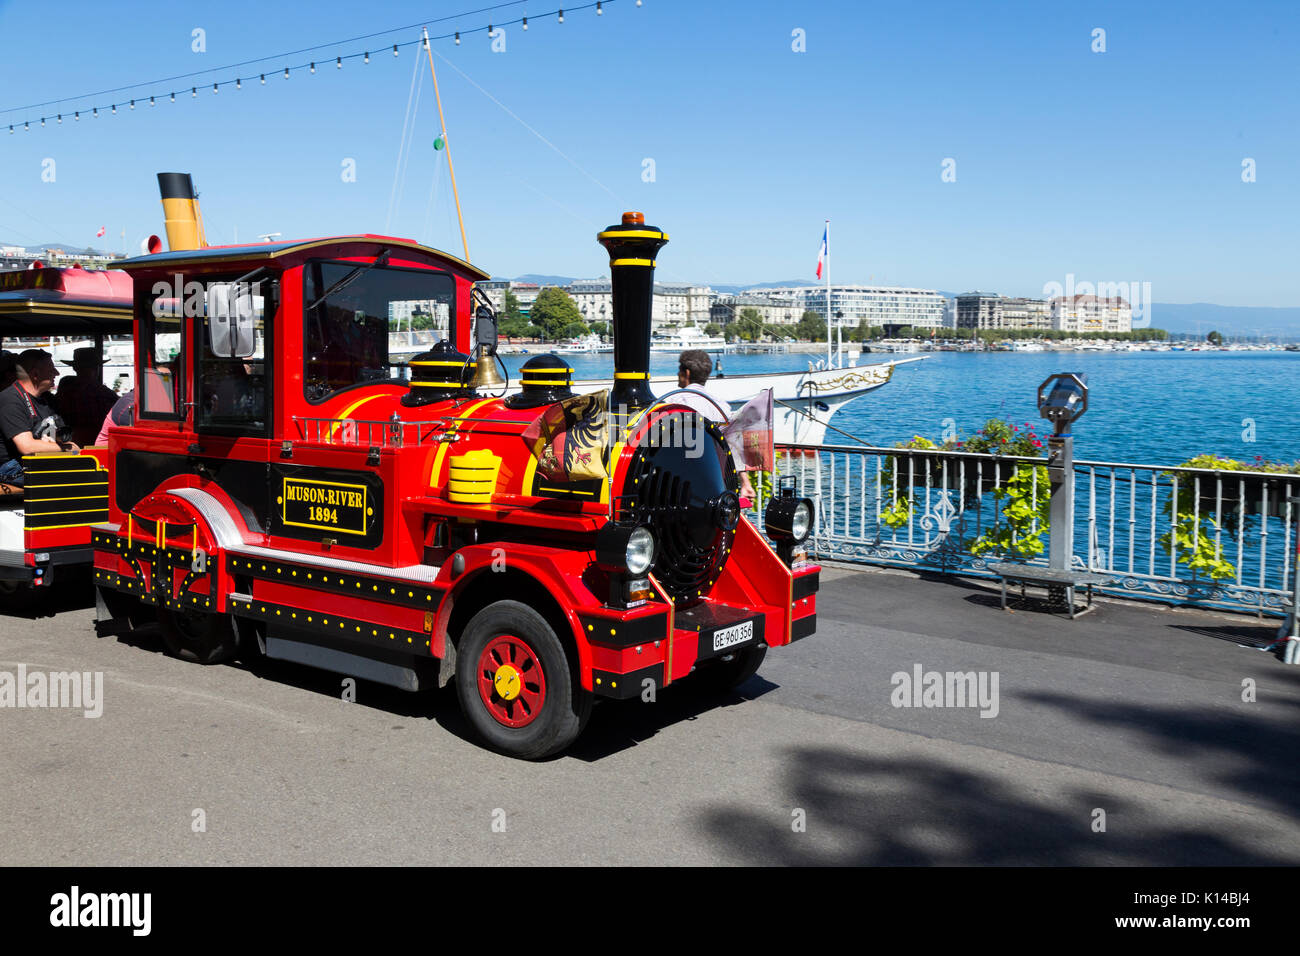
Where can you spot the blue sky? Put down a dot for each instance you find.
(1123, 165)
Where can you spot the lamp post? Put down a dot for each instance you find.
(1062, 400)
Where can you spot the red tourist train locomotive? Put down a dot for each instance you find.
(286, 490)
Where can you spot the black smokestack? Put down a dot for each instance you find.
(632, 246)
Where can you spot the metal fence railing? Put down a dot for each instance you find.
(1179, 535)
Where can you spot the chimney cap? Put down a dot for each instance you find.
(633, 219)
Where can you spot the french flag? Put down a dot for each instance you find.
(821, 255)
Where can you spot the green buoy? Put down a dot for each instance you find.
(439, 142)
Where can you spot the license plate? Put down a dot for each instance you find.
(731, 636)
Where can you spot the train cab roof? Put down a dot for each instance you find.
(286, 255)
(65, 301)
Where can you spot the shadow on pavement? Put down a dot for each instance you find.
(872, 811)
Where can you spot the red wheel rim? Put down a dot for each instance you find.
(510, 681)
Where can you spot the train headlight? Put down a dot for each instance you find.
(625, 548)
(789, 519)
(640, 552)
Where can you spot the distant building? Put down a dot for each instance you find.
(594, 299)
(1088, 313)
(495, 290)
(1020, 313)
(982, 310)
(678, 304)
(875, 305)
(979, 310)
(773, 311)
(674, 305)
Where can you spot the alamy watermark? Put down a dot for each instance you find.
(922, 688)
(78, 690)
(1135, 295)
(75, 908)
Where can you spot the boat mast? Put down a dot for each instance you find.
(446, 143)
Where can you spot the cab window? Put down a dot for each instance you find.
(350, 309)
(232, 391)
(161, 343)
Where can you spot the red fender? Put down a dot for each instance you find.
(558, 570)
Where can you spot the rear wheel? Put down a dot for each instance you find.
(720, 676)
(199, 637)
(516, 684)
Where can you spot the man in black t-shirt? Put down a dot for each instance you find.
(28, 423)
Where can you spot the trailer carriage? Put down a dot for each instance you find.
(45, 525)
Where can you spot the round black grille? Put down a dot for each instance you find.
(683, 485)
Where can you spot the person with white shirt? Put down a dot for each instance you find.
(693, 369)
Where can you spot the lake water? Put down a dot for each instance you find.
(1144, 407)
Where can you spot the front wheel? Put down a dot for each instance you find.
(197, 636)
(516, 685)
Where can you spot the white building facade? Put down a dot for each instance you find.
(874, 305)
(1088, 313)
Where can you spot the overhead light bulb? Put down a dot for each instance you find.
(60, 119)
(76, 117)
(600, 11)
(151, 102)
(194, 92)
(367, 59)
(561, 14)
(457, 38)
(133, 104)
(394, 49)
(239, 85)
(313, 67)
(173, 97)
(339, 63)
(286, 72)
(525, 23)
(263, 76)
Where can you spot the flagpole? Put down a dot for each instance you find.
(829, 334)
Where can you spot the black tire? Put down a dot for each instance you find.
(720, 676)
(198, 637)
(563, 707)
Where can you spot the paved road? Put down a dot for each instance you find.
(1132, 711)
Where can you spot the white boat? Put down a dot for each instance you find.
(588, 344)
(804, 401)
(688, 337)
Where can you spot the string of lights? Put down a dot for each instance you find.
(259, 77)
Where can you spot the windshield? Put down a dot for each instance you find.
(346, 334)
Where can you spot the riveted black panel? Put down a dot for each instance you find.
(626, 686)
(612, 633)
(315, 503)
(405, 593)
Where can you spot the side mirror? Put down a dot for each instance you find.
(231, 311)
(485, 329)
